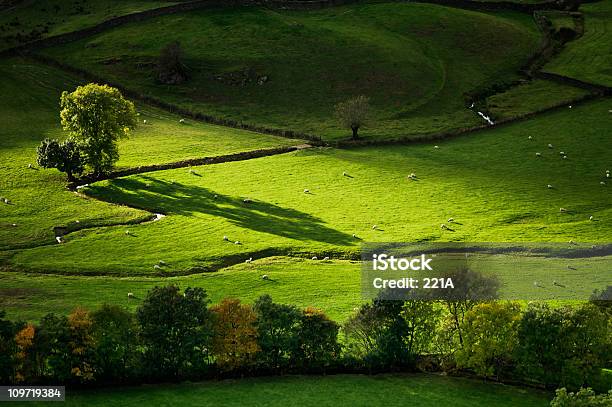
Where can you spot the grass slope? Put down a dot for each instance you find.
(589, 58)
(492, 183)
(29, 100)
(415, 62)
(52, 17)
(333, 286)
(320, 391)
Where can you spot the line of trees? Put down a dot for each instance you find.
(177, 335)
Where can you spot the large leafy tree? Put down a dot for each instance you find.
(276, 329)
(235, 340)
(489, 337)
(97, 116)
(82, 351)
(316, 342)
(175, 331)
(52, 348)
(115, 333)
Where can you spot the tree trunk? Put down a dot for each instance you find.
(355, 130)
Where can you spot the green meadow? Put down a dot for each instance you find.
(541, 180)
(355, 390)
(415, 62)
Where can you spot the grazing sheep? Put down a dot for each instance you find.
(530, 138)
(14, 225)
(59, 239)
(7, 201)
(436, 147)
(538, 155)
(144, 121)
(565, 157)
(265, 277)
(127, 232)
(374, 227)
(237, 242)
(247, 200)
(561, 153)
(344, 174)
(191, 171)
(216, 196)
(549, 186)
(182, 121)
(314, 258)
(130, 295)
(443, 226)
(450, 220)
(250, 259)
(157, 267)
(570, 106)
(161, 263)
(550, 145)
(602, 183)
(325, 258)
(591, 217)
(355, 236)
(306, 191)
(412, 176)
(29, 165)
(226, 238)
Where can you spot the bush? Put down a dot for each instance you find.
(64, 156)
(582, 398)
(354, 113)
(315, 346)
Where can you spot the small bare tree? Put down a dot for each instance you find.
(353, 113)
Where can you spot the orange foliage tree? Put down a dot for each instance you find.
(24, 339)
(81, 344)
(235, 335)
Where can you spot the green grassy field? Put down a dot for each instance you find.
(415, 62)
(492, 183)
(53, 17)
(589, 58)
(40, 200)
(333, 286)
(354, 390)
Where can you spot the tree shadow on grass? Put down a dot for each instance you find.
(166, 197)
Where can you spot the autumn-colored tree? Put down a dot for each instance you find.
(81, 345)
(235, 335)
(24, 339)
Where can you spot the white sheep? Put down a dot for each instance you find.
(443, 226)
(314, 258)
(59, 239)
(216, 196)
(157, 267)
(265, 277)
(436, 147)
(538, 154)
(29, 165)
(182, 121)
(226, 238)
(161, 263)
(536, 284)
(247, 200)
(450, 220)
(130, 295)
(127, 232)
(344, 174)
(326, 258)
(237, 242)
(550, 145)
(591, 217)
(549, 186)
(306, 191)
(561, 153)
(355, 236)
(563, 210)
(412, 176)
(144, 121)
(602, 183)
(250, 259)
(530, 138)
(14, 225)
(374, 227)
(565, 157)
(7, 201)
